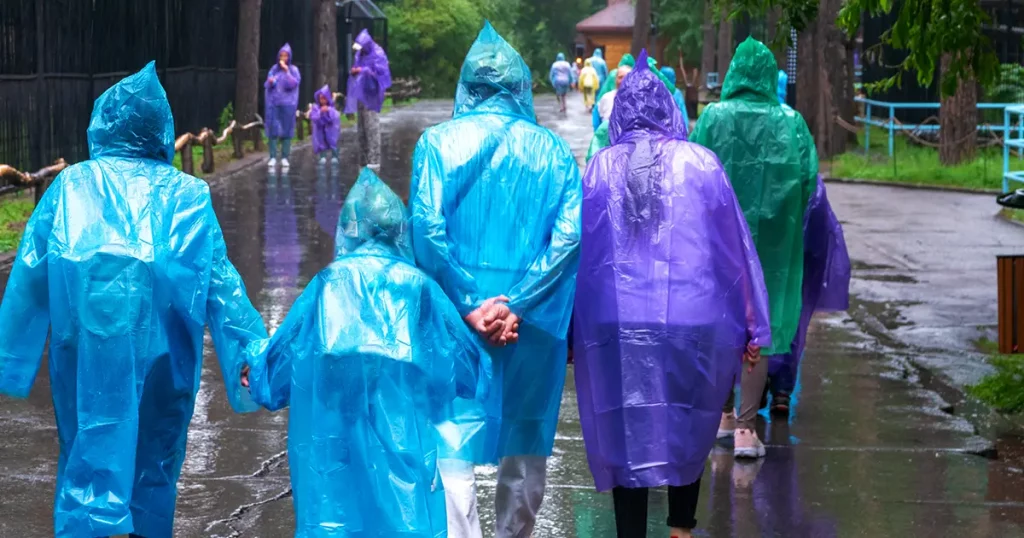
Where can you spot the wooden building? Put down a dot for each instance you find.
(611, 30)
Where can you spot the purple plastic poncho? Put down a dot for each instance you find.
(826, 284)
(669, 292)
(369, 85)
(282, 98)
(326, 125)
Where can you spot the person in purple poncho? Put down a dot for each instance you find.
(670, 302)
(326, 125)
(282, 100)
(370, 78)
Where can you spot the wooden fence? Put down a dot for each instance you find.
(13, 180)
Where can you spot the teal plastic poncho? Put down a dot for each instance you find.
(369, 360)
(123, 261)
(772, 164)
(496, 211)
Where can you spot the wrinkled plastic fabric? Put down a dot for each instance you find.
(282, 98)
(493, 169)
(608, 84)
(826, 285)
(600, 65)
(326, 125)
(369, 86)
(782, 88)
(369, 360)
(599, 141)
(772, 163)
(677, 95)
(123, 261)
(560, 76)
(668, 295)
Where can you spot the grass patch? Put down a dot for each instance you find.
(918, 165)
(1016, 215)
(1004, 389)
(14, 213)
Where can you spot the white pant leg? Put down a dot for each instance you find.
(520, 491)
(460, 498)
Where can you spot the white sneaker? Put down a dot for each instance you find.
(727, 426)
(284, 163)
(272, 163)
(747, 445)
(334, 160)
(323, 160)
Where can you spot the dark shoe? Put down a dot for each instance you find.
(780, 404)
(764, 398)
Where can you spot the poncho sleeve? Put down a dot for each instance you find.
(463, 369)
(25, 312)
(231, 318)
(430, 232)
(270, 360)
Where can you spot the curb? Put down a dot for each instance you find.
(912, 186)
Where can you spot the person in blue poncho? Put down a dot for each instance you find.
(599, 65)
(124, 264)
(677, 94)
(495, 202)
(369, 360)
(561, 79)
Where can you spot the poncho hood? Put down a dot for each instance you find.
(644, 104)
(365, 40)
(286, 48)
(373, 219)
(669, 74)
(753, 73)
(133, 119)
(494, 78)
(325, 91)
(560, 57)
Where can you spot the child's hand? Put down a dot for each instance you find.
(751, 356)
(357, 70)
(245, 376)
(323, 108)
(284, 65)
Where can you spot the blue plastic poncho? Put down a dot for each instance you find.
(495, 211)
(783, 83)
(670, 292)
(369, 360)
(282, 97)
(677, 94)
(561, 76)
(826, 285)
(124, 263)
(772, 163)
(599, 64)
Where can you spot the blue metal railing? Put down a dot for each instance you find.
(1009, 113)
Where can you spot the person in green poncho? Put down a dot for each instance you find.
(771, 160)
(600, 139)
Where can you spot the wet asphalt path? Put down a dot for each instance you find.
(870, 450)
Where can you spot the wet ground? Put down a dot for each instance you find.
(870, 451)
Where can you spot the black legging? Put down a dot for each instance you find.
(631, 509)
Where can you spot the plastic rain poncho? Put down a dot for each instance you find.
(326, 125)
(782, 87)
(669, 294)
(282, 98)
(826, 284)
(495, 211)
(124, 263)
(369, 86)
(588, 76)
(677, 94)
(608, 84)
(369, 359)
(771, 161)
(561, 75)
(600, 65)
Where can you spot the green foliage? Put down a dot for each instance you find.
(225, 118)
(1003, 389)
(14, 213)
(1009, 86)
(681, 21)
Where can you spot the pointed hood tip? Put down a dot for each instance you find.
(642, 60)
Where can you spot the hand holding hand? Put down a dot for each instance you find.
(489, 319)
(751, 356)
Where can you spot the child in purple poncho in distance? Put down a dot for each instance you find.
(282, 100)
(670, 302)
(326, 125)
(369, 79)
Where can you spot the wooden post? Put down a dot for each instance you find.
(257, 138)
(300, 125)
(237, 139)
(186, 158)
(40, 189)
(208, 164)
(1010, 292)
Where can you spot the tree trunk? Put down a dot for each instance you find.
(247, 73)
(325, 43)
(707, 55)
(725, 44)
(642, 27)
(824, 80)
(958, 121)
(777, 45)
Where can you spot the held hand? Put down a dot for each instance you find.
(511, 329)
(272, 80)
(245, 376)
(488, 319)
(357, 70)
(284, 66)
(323, 109)
(751, 356)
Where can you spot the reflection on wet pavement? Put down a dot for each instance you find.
(869, 451)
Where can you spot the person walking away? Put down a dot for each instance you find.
(770, 158)
(609, 84)
(123, 262)
(490, 167)
(601, 66)
(561, 79)
(326, 125)
(589, 83)
(576, 74)
(282, 100)
(677, 94)
(370, 79)
(368, 360)
(668, 269)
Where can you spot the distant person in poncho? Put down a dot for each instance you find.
(326, 125)
(561, 79)
(589, 83)
(282, 100)
(669, 302)
(772, 163)
(492, 168)
(368, 80)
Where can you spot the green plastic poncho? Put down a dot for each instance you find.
(495, 202)
(600, 139)
(772, 163)
(124, 264)
(369, 360)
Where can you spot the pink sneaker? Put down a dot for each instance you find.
(747, 445)
(727, 426)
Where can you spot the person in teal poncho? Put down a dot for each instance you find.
(123, 263)
(369, 361)
(669, 75)
(771, 160)
(495, 205)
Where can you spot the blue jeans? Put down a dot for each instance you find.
(286, 147)
(323, 154)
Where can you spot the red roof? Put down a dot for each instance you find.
(619, 16)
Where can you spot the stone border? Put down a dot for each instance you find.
(912, 186)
